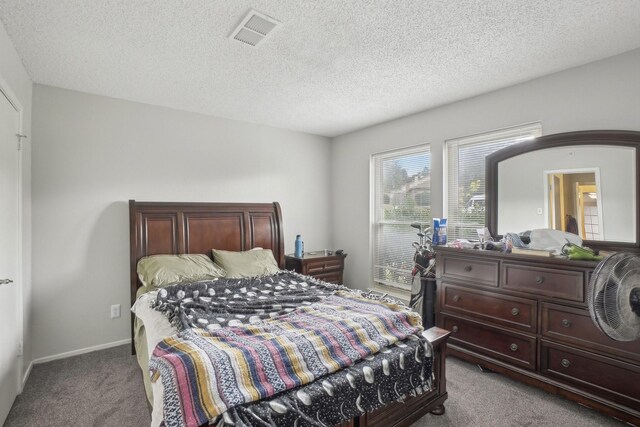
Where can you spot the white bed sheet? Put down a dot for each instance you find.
(157, 328)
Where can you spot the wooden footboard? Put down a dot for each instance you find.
(406, 413)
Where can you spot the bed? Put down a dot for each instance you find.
(195, 228)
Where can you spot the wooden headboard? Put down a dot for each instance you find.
(195, 228)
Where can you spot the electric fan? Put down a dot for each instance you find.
(614, 296)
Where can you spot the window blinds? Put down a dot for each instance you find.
(402, 195)
(465, 176)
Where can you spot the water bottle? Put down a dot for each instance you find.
(299, 247)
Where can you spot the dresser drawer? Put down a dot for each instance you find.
(476, 271)
(608, 377)
(574, 325)
(518, 349)
(317, 267)
(324, 267)
(565, 284)
(514, 312)
(331, 277)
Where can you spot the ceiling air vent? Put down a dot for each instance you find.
(254, 28)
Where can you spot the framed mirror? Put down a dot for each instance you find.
(584, 182)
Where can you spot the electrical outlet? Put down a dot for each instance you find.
(115, 311)
(20, 349)
(539, 211)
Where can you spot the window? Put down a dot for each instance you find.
(465, 205)
(401, 195)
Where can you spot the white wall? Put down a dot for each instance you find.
(14, 75)
(600, 95)
(91, 154)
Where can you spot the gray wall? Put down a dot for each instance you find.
(19, 83)
(91, 154)
(599, 95)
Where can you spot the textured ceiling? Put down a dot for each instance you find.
(333, 66)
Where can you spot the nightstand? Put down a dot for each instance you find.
(318, 264)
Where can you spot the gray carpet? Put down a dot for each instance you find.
(99, 389)
(104, 389)
(478, 398)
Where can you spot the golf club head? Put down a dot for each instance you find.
(421, 235)
(416, 245)
(416, 225)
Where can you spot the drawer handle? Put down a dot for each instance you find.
(539, 280)
(566, 323)
(565, 363)
(513, 347)
(515, 311)
(456, 298)
(468, 268)
(455, 328)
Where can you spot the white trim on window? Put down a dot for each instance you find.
(463, 203)
(417, 171)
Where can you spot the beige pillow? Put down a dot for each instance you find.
(256, 262)
(157, 271)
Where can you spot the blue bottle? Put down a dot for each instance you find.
(299, 247)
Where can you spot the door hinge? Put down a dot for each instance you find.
(20, 137)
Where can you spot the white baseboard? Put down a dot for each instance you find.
(80, 351)
(26, 376)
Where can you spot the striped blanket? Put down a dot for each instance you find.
(259, 337)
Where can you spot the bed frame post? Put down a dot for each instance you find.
(280, 232)
(133, 249)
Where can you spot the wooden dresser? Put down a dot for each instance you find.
(526, 317)
(318, 264)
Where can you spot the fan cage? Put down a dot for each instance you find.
(613, 294)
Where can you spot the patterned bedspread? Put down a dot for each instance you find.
(241, 341)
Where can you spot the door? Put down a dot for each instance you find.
(556, 202)
(9, 234)
(590, 218)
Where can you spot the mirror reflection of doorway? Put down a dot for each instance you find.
(574, 203)
(588, 209)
